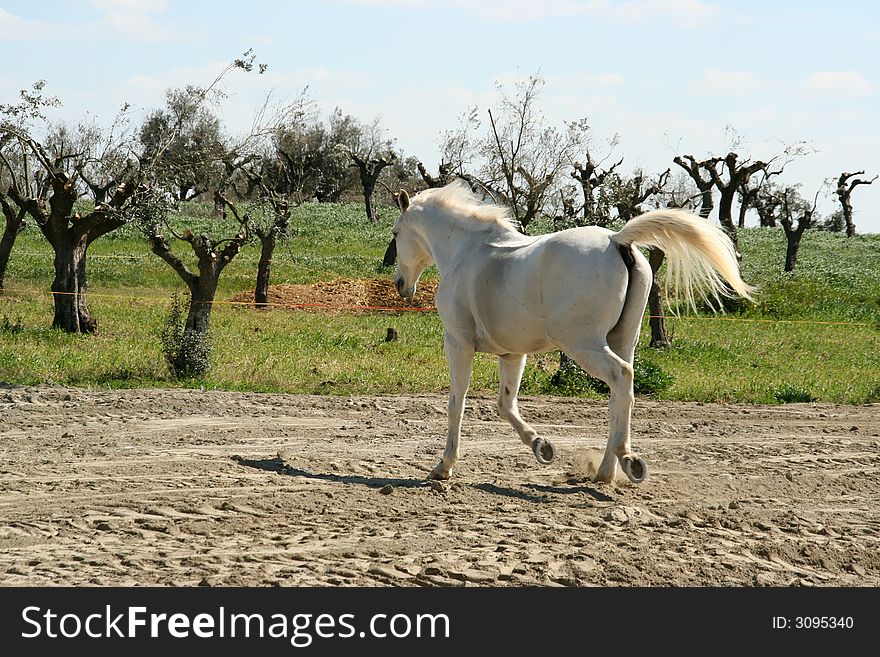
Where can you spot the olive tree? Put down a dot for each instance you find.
(166, 228)
(846, 184)
(185, 139)
(76, 183)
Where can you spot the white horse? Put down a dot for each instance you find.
(582, 291)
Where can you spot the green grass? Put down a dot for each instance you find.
(814, 334)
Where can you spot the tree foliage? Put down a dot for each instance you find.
(185, 139)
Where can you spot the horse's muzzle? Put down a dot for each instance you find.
(401, 288)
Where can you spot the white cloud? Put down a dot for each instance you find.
(128, 20)
(15, 28)
(838, 82)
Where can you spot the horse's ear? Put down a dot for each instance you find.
(402, 200)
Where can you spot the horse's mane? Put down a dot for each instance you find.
(457, 197)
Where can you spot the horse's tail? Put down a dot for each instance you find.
(700, 257)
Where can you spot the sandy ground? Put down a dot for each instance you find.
(178, 487)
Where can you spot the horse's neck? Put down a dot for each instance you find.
(450, 237)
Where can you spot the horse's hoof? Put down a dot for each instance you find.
(439, 474)
(544, 451)
(635, 468)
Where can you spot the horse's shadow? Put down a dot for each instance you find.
(279, 466)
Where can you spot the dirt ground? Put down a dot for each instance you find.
(345, 296)
(185, 487)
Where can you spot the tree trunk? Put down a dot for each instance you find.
(267, 247)
(791, 251)
(390, 254)
(743, 209)
(70, 284)
(6, 244)
(848, 216)
(368, 201)
(657, 320)
(725, 216)
(707, 204)
(589, 209)
(198, 320)
(14, 225)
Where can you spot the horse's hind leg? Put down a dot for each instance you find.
(603, 363)
(625, 335)
(460, 358)
(510, 371)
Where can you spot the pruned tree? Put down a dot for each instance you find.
(369, 169)
(796, 216)
(14, 217)
(444, 175)
(731, 174)
(269, 231)
(15, 162)
(56, 169)
(591, 179)
(271, 222)
(233, 191)
(310, 158)
(367, 151)
(748, 197)
(846, 184)
(212, 255)
(297, 170)
(628, 193)
(705, 185)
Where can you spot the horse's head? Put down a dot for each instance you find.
(413, 256)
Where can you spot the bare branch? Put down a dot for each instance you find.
(160, 247)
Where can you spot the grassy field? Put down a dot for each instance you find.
(814, 334)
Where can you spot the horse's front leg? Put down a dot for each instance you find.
(460, 358)
(510, 371)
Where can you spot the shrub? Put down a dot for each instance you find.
(649, 378)
(789, 394)
(570, 380)
(188, 353)
(11, 326)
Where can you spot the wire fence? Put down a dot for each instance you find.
(21, 294)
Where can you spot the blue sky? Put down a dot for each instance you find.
(668, 76)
